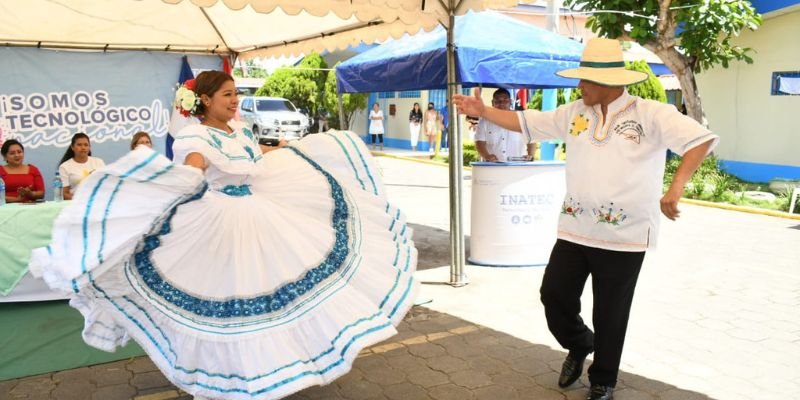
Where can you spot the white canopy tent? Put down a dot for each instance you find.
(245, 29)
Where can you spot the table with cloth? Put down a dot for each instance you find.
(38, 336)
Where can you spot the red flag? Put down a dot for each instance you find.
(226, 66)
(522, 99)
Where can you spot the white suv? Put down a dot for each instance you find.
(273, 117)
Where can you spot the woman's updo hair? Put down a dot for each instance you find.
(207, 83)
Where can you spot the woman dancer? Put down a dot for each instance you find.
(243, 275)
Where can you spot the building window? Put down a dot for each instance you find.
(410, 94)
(387, 95)
(786, 83)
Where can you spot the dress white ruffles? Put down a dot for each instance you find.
(264, 276)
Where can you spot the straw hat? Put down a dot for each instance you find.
(602, 63)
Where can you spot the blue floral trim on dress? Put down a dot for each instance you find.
(237, 191)
(257, 305)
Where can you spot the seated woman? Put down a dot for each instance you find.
(141, 138)
(24, 182)
(77, 163)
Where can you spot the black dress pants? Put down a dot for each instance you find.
(614, 275)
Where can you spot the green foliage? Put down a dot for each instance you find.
(536, 99)
(470, 154)
(302, 85)
(351, 102)
(711, 184)
(651, 88)
(253, 70)
(707, 27)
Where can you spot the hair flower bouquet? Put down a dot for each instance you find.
(186, 100)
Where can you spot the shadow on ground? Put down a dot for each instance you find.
(433, 246)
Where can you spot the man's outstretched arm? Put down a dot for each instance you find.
(473, 105)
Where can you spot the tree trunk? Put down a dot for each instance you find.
(679, 64)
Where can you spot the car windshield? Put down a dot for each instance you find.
(274, 105)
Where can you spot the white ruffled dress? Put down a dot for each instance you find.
(263, 276)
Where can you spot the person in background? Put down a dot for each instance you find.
(610, 214)
(23, 182)
(414, 121)
(322, 120)
(495, 143)
(77, 163)
(141, 138)
(444, 117)
(376, 125)
(431, 126)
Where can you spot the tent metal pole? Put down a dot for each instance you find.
(340, 103)
(457, 276)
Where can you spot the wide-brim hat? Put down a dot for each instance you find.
(602, 63)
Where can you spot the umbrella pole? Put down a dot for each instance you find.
(457, 276)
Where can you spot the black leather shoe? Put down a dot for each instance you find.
(570, 371)
(601, 392)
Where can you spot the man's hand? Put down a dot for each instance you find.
(491, 158)
(470, 105)
(669, 202)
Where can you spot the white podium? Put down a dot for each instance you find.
(515, 210)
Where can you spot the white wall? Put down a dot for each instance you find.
(755, 126)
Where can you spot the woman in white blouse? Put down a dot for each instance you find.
(77, 163)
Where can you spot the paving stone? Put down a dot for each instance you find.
(149, 380)
(680, 394)
(513, 379)
(503, 352)
(77, 374)
(529, 366)
(447, 363)
(451, 392)
(6, 386)
(405, 391)
(110, 374)
(360, 390)
(487, 365)
(73, 390)
(33, 386)
(322, 392)
(427, 377)
(426, 350)
(470, 379)
(632, 394)
(140, 364)
(407, 363)
(384, 376)
(117, 392)
(539, 393)
(155, 391)
(494, 392)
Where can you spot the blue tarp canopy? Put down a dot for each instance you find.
(491, 49)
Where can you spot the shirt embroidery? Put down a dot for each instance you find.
(579, 125)
(630, 130)
(609, 215)
(571, 207)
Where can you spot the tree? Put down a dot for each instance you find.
(250, 70)
(538, 94)
(649, 89)
(351, 102)
(303, 85)
(690, 36)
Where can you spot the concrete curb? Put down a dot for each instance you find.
(724, 206)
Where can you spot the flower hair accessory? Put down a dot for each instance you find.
(186, 100)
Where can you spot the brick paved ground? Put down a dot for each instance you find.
(715, 316)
